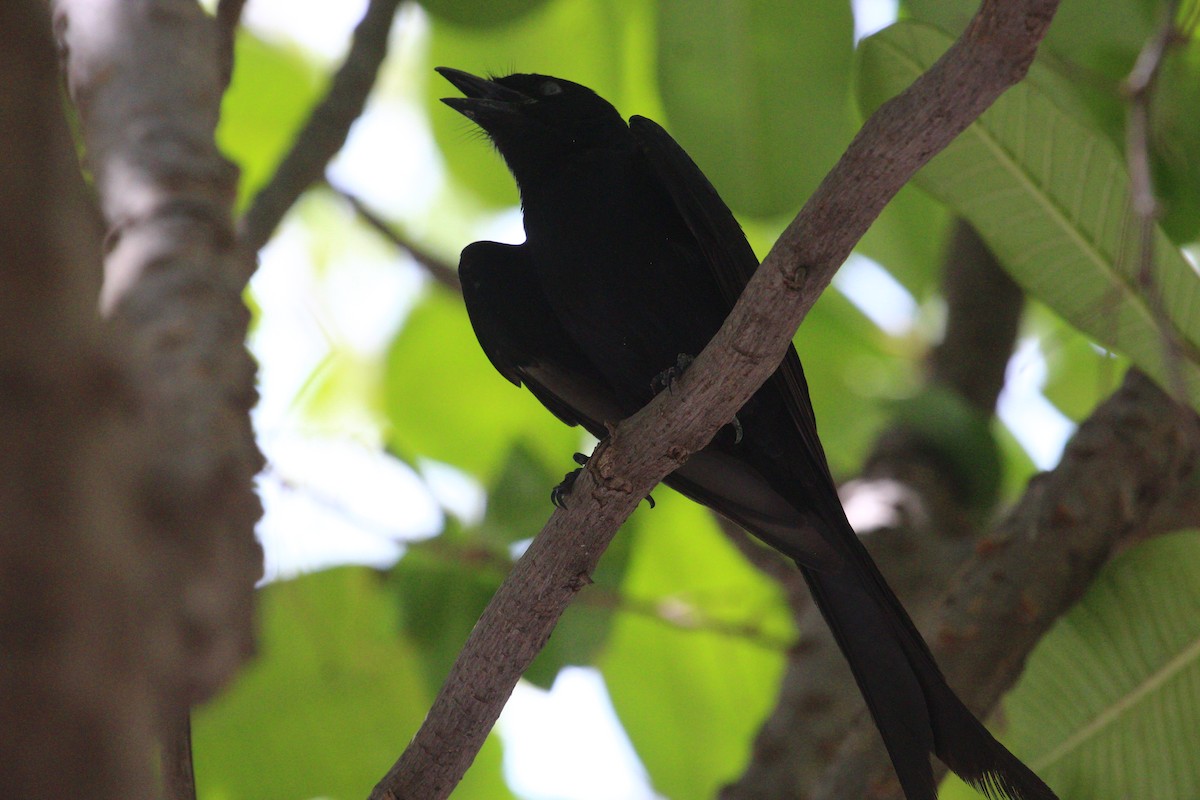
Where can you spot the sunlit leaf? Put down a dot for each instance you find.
(1109, 706)
(757, 93)
(1051, 198)
(271, 93)
(329, 704)
(691, 699)
(444, 399)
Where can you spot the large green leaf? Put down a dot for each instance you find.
(691, 699)
(1109, 706)
(272, 90)
(1050, 196)
(758, 94)
(1102, 35)
(331, 701)
(1095, 44)
(445, 401)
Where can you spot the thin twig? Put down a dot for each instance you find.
(179, 776)
(326, 129)
(1139, 87)
(438, 269)
(993, 53)
(229, 16)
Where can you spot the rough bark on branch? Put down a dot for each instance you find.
(145, 76)
(326, 129)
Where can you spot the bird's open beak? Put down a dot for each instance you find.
(481, 95)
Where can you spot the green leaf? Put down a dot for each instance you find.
(328, 705)
(909, 240)
(444, 399)
(757, 93)
(272, 90)
(1094, 44)
(1109, 706)
(1102, 35)
(480, 13)
(1078, 374)
(1051, 198)
(691, 699)
(958, 435)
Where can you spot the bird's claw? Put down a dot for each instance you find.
(559, 494)
(667, 378)
(737, 429)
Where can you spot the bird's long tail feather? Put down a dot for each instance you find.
(915, 710)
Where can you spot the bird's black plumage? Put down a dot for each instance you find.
(631, 259)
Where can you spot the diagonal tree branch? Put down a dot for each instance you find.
(437, 269)
(228, 16)
(992, 54)
(326, 129)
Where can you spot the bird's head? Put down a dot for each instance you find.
(536, 116)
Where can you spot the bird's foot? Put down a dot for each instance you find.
(736, 424)
(558, 495)
(667, 378)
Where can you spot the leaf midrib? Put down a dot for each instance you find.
(1109, 715)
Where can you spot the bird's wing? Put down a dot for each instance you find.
(525, 341)
(730, 259)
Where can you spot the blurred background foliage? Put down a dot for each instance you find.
(689, 639)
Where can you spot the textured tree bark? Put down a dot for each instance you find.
(145, 76)
(78, 696)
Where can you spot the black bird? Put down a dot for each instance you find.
(631, 260)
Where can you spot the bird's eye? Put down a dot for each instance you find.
(549, 88)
